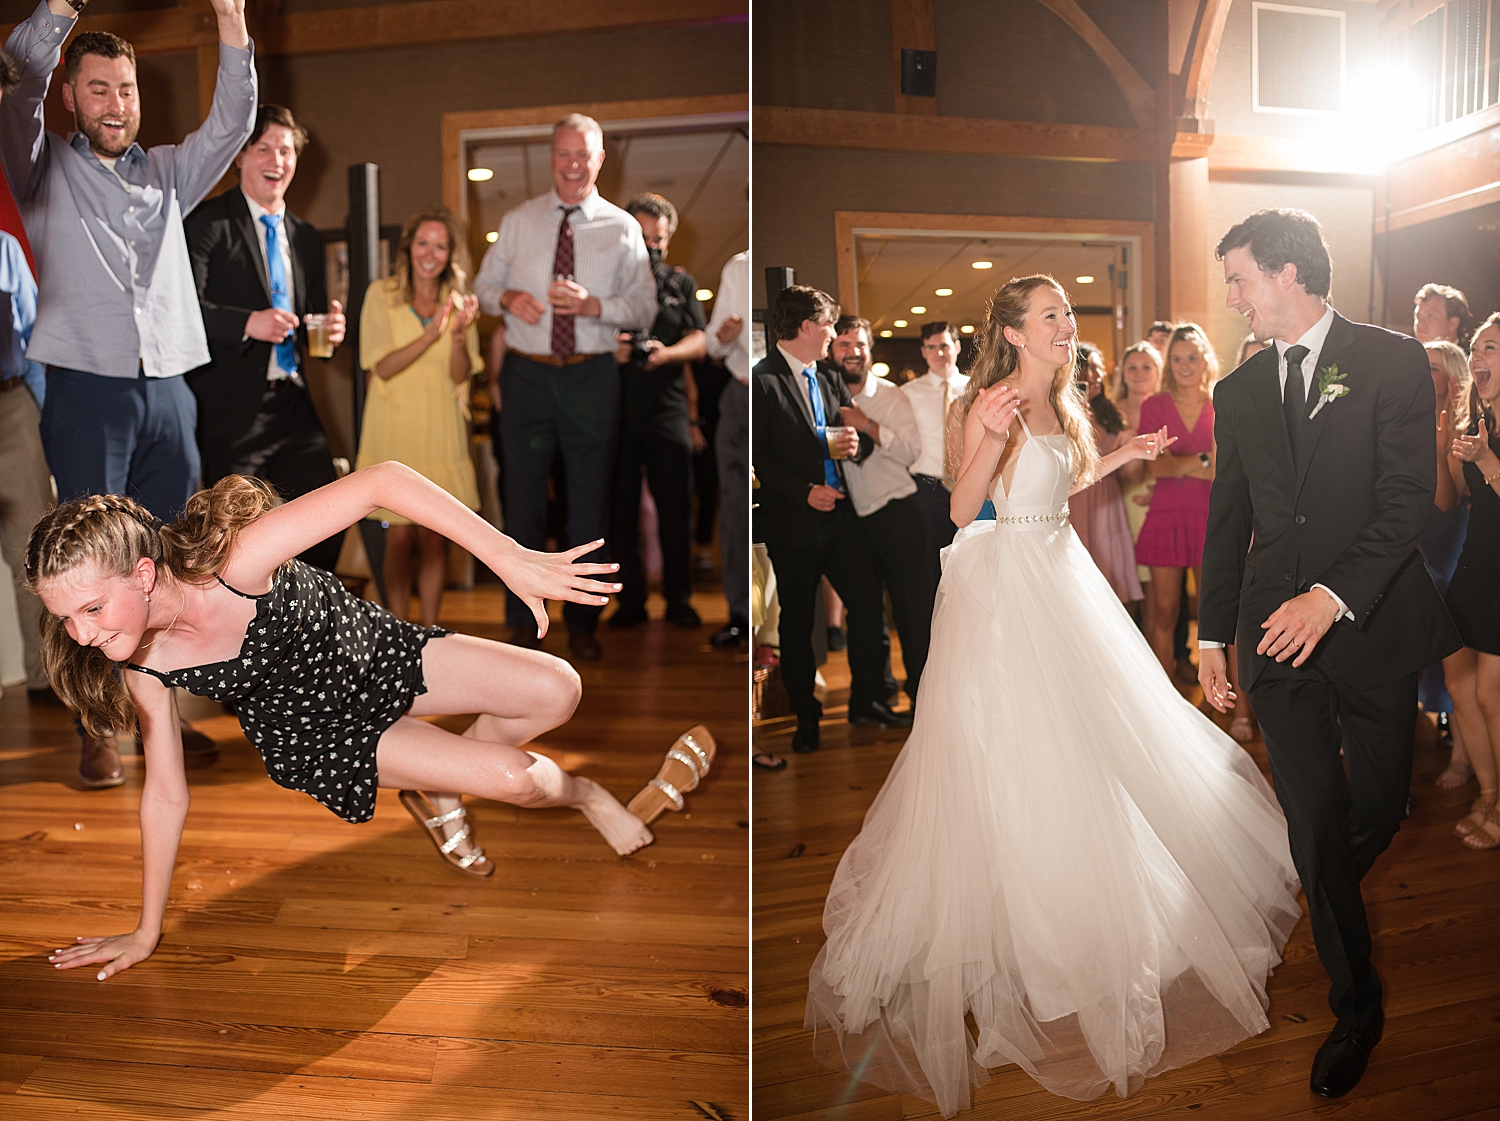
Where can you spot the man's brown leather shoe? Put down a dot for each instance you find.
(99, 763)
(524, 637)
(195, 742)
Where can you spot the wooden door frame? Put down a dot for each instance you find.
(1141, 291)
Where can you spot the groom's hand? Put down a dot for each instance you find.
(1213, 675)
(1297, 626)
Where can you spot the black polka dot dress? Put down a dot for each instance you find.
(320, 676)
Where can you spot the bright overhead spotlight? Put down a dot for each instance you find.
(480, 174)
(943, 292)
(492, 237)
(899, 322)
(704, 295)
(880, 369)
(885, 334)
(967, 329)
(982, 265)
(1084, 279)
(918, 309)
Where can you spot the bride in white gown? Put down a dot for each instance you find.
(1065, 849)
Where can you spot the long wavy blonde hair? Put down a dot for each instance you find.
(998, 360)
(1456, 365)
(116, 532)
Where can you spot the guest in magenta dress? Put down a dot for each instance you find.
(1097, 513)
(1171, 541)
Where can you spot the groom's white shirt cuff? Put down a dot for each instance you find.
(1344, 613)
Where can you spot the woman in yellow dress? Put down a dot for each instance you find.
(418, 342)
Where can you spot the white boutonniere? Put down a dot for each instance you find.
(1330, 388)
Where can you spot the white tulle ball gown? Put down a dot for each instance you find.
(1065, 850)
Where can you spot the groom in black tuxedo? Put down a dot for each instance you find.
(1325, 477)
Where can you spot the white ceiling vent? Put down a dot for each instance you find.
(1298, 59)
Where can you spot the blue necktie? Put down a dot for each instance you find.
(815, 395)
(286, 351)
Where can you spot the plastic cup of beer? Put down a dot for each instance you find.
(832, 434)
(318, 344)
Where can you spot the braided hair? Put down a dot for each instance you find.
(115, 532)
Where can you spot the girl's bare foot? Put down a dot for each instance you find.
(623, 831)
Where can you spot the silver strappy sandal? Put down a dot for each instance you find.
(686, 763)
(474, 863)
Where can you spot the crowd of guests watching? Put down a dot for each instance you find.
(168, 346)
(854, 472)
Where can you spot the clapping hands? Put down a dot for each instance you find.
(996, 408)
(1471, 449)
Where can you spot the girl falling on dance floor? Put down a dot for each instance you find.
(327, 687)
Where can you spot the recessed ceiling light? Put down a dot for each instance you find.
(917, 309)
(967, 329)
(899, 322)
(704, 294)
(880, 369)
(492, 237)
(885, 334)
(480, 174)
(943, 292)
(982, 265)
(1084, 279)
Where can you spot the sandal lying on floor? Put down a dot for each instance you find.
(768, 762)
(474, 863)
(686, 763)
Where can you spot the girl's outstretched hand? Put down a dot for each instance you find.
(536, 577)
(114, 952)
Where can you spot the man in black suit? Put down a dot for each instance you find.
(806, 518)
(259, 271)
(1325, 480)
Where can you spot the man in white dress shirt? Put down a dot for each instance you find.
(885, 494)
(930, 395)
(568, 271)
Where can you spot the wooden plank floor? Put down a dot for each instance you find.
(316, 969)
(1434, 909)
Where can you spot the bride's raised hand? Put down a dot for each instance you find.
(996, 408)
(536, 577)
(1149, 445)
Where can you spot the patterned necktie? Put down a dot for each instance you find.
(281, 299)
(815, 398)
(564, 341)
(1294, 396)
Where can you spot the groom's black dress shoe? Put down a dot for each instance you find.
(881, 714)
(1340, 1062)
(805, 738)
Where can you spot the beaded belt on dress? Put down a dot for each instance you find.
(1023, 519)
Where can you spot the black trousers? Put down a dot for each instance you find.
(836, 549)
(286, 446)
(575, 408)
(1341, 813)
(711, 379)
(662, 447)
(896, 539)
(932, 499)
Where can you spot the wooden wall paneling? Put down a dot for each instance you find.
(1138, 92)
(1191, 247)
(890, 132)
(404, 25)
(912, 27)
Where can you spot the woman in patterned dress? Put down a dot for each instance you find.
(327, 687)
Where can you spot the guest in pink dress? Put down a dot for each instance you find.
(1171, 540)
(1097, 513)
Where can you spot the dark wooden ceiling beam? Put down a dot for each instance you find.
(1138, 92)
